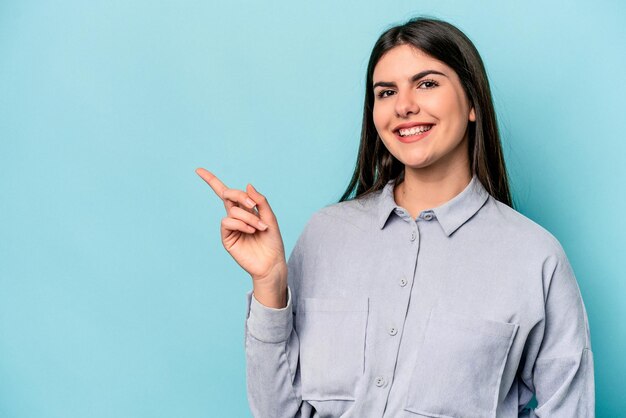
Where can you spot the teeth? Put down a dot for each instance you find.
(415, 130)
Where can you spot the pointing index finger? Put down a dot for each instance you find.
(212, 180)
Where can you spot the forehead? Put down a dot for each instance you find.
(403, 61)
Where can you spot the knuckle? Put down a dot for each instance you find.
(238, 196)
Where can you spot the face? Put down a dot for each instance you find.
(421, 111)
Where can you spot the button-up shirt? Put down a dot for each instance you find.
(466, 311)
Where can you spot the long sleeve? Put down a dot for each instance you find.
(272, 348)
(562, 376)
(468, 310)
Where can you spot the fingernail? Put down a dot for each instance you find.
(262, 225)
(250, 202)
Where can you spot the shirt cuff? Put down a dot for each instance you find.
(269, 325)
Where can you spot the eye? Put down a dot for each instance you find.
(428, 84)
(383, 93)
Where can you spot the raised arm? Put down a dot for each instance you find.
(271, 342)
(253, 239)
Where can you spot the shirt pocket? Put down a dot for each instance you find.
(332, 346)
(459, 366)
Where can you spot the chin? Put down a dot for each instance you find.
(416, 162)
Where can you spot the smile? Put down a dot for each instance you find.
(413, 134)
(414, 131)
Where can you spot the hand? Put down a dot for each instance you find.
(253, 239)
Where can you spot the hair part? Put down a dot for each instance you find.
(443, 41)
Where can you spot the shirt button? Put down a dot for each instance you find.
(428, 216)
(393, 331)
(380, 381)
(403, 282)
(413, 235)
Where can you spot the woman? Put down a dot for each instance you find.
(426, 294)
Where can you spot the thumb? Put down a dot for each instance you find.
(265, 211)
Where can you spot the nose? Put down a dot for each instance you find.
(406, 104)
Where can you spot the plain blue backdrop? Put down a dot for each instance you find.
(117, 298)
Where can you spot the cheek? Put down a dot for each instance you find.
(383, 113)
(379, 118)
(461, 111)
(452, 110)
(459, 106)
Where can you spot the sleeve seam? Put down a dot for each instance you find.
(292, 374)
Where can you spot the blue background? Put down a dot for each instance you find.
(117, 298)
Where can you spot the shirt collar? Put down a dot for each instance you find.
(451, 215)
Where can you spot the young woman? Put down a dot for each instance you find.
(426, 293)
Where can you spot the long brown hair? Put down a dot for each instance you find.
(443, 41)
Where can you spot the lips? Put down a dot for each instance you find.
(410, 125)
(414, 137)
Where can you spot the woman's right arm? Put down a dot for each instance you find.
(272, 354)
(271, 342)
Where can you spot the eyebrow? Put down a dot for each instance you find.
(413, 79)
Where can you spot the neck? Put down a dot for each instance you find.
(428, 188)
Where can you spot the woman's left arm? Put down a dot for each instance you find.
(561, 374)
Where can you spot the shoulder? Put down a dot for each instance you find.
(355, 213)
(511, 225)
(349, 218)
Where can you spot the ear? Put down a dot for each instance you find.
(472, 115)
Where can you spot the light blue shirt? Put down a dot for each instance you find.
(465, 311)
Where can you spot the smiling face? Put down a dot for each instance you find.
(421, 111)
